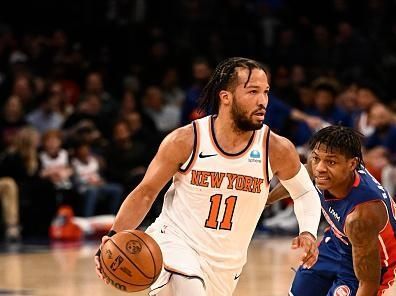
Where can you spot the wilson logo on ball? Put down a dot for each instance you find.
(134, 246)
(115, 284)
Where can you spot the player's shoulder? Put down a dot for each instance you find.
(366, 186)
(367, 215)
(182, 136)
(179, 142)
(283, 156)
(279, 146)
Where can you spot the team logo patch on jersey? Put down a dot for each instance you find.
(342, 291)
(254, 156)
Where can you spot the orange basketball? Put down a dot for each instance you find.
(131, 260)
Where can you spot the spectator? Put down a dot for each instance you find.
(55, 165)
(23, 88)
(87, 120)
(90, 183)
(173, 94)
(10, 203)
(11, 121)
(94, 86)
(324, 107)
(142, 128)
(366, 98)
(128, 104)
(384, 134)
(128, 157)
(165, 116)
(201, 74)
(37, 196)
(380, 145)
(47, 116)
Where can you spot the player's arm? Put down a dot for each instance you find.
(295, 178)
(172, 153)
(279, 192)
(362, 227)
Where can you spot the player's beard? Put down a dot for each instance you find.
(242, 120)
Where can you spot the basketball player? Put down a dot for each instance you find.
(357, 255)
(221, 167)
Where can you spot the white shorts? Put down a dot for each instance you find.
(179, 258)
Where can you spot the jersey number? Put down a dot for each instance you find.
(212, 221)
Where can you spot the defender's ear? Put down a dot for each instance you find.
(354, 162)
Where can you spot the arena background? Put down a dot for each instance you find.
(106, 80)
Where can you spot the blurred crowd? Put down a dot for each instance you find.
(85, 104)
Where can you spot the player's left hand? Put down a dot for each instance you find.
(308, 243)
(98, 266)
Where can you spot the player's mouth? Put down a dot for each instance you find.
(321, 180)
(260, 115)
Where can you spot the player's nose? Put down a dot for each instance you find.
(321, 167)
(262, 99)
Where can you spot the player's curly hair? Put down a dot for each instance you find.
(343, 139)
(224, 77)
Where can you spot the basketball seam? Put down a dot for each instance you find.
(154, 278)
(126, 257)
(101, 257)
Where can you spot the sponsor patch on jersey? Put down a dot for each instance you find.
(254, 156)
(342, 291)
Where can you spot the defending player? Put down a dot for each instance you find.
(357, 255)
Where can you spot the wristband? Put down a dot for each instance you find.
(109, 234)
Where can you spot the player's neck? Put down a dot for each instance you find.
(228, 136)
(343, 190)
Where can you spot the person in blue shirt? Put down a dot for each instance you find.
(384, 134)
(324, 108)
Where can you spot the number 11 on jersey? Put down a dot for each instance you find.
(212, 221)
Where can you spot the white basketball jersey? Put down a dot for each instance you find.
(216, 198)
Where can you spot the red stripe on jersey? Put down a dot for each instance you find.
(387, 280)
(357, 180)
(336, 232)
(387, 243)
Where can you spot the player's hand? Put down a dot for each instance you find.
(307, 242)
(314, 122)
(98, 267)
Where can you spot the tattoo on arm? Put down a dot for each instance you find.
(363, 235)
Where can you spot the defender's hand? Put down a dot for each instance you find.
(308, 243)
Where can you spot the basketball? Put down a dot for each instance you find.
(131, 260)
